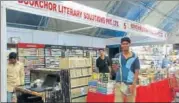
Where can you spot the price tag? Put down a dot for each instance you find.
(177, 94)
(83, 91)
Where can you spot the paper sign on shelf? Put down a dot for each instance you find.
(30, 45)
(82, 91)
(177, 94)
(75, 12)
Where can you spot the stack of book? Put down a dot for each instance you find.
(101, 84)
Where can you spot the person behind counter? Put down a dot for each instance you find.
(126, 73)
(166, 62)
(103, 63)
(15, 75)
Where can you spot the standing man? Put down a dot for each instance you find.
(103, 63)
(127, 73)
(166, 62)
(15, 75)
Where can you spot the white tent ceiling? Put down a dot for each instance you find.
(61, 25)
(98, 4)
(159, 13)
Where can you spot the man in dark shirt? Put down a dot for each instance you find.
(103, 63)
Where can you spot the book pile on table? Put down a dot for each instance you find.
(101, 84)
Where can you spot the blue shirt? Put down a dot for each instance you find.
(128, 67)
(165, 62)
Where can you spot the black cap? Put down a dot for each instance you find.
(101, 49)
(126, 39)
(12, 55)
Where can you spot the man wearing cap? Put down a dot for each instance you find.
(15, 75)
(126, 73)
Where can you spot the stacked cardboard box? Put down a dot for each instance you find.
(73, 62)
(77, 82)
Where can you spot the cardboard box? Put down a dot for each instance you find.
(72, 73)
(75, 92)
(84, 71)
(86, 80)
(74, 82)
(80, 72)
(90, 71)
(72, 62)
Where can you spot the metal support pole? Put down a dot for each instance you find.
(112, 9)
(3, 54)
(40, 22)
(79, 29)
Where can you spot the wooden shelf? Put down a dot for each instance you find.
(81, 77)
(79, 96)
(79, 86)
(80, 67)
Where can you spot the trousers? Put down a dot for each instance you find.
(119, 96)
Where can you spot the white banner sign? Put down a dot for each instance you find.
(74, 12)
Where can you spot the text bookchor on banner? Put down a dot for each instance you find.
(75, 12)
(69, 11)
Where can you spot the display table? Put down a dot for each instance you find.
(98, 97)
(25, 90)
(25, 95)
(155, 92)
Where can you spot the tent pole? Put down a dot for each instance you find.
(3, 53)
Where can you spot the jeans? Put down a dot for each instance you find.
(9, 96)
